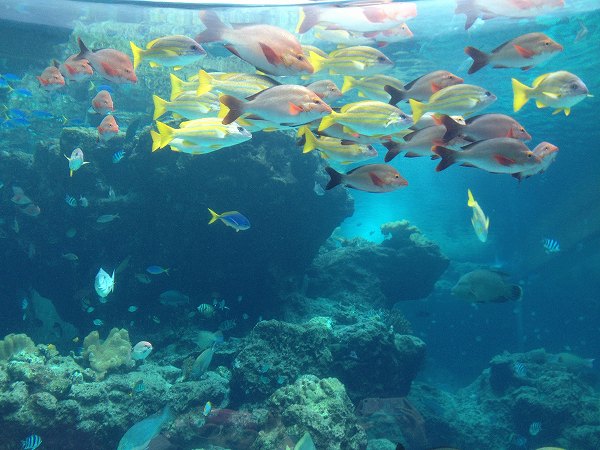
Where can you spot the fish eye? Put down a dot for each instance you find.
(546, 43)
(488, 93)
(240, 129)
(574, 86)
(300, 57)
(194, 47)
(396, 176)
(381, 58)
(522, 130)
(529, 154)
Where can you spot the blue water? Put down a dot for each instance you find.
(166, 224)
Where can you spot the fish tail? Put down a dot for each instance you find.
(310, 141)
(138, 54)
(214, 27)
(309, 17)
(335, 178)
(521, 94)
(453, 128)
(235, 106)
(214, 216)
(396, 95)
(471, 201)
(467, 8)
(205, 82)
(317, 61)
(156, 140)
(166, 133)
(349, 83)
(327, 121)
(516, 292)
(418, 109)
(83, 50)
(160, 107)
(448, 157)
(393, 150)
(480, 59)
(176, 87)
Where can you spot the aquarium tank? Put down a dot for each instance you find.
(299, 224)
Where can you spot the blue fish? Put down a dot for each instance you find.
(232, 219)
(19, 122)
(71, 201)
(31, 442)
(519, 369)
(21, 92)
(142, 432)
(4, 84)
(139, 387)
(156, 270)
(118, 156)
(39, 114)
(16, 113)
(551, 246)
(207, 409)
(535, 428)
(104, 87)
(11, 77)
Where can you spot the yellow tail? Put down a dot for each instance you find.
(471, 202)
(138, 54)
(214, 216)
(317, 61)
(310, 141)
(521, 93)
(349, 83)
(176, 87)
(156, 138)
(327, 121)
(418, 109)
(166, 133)
(160, 107)
(205, 82)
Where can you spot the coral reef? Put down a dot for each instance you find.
(15, 343)
(112, 353)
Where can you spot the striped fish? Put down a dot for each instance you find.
(118, 156)
(551, 246)
(70, 201)
(355, 61)
(31, 442)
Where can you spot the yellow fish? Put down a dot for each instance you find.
(188, 106)
(239, 85)
(480, 223)
(170, 51)
(373, 87)
(358, 60)
(342, 151)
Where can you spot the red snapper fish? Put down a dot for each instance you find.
(375, 178)
(484, 126)
(51, 78)
(486, 9)
(76, 69)
(366, 18)
(423, 87)
(102, 103)
(547, 153)
(111, 64)
(270, 49)
(107, 129)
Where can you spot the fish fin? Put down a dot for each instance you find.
(270, 54)
(154, 65)
(335, 178)
(233, 50)
(526, 67)
(551, 95)
(310, 141)
(349, 83)
(309, 17)
(375, 179)
(539, 79)
(396, 95)
(109, 69)
(480, 59)
(214, 27)
(317, 61)
(521, 94)
(358, 65)
(83, 50)
(471, 201)
(567, 111)
(393, 149)
(360, 94)
(293, 109)
(469, 9)
(448, 157)
(214, 216)
(327, 121)
(70, 172)
(166, 133)
(539, 104)
(524, 52)
(503, 160)
(236, 108)
(137, 54)
(42, 81)
(418, 109)
(176, 87)
(487, 223)
(205, 82)
(411, 155)
(156, 138)
(453, 128)
(435, 87)
(160, 107)
(519, 176)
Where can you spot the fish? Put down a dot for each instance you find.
(138, 387)
(173, 298)
(399, 33)
(560, 90)
(484, 126)
(199, 136)
(369, 117)
(498, 155)
(487, 10)
(424, 87)
(141, 350)
(19, 198)
(318, 189)
(102, 87)
(51, 78)
(102, 103)
(206, 310)
(132, 309)
(357, 61)
(107, 129)
(109, 63)
(232, 219)
(525, 51)
(227, 325)
(326, 89)
(535, 428)
(372, 87)
(169, 51)
(139, 436)
(189, 106)
(480, 222)
(90, 309)
(76, 161)
(305, 443)
(155, 319)
(270, 49)
(344, 152)
(31, 442)
(571, 361)
(202, 362)
(180, 87)
(71, 201)
(368, 178)
(359, 18)
(97, 322)
(41, 114)
(106, 218)
(582, 32)
(77, 70)
(142, 278)
(486, 286)
(31, 210)
(118, 156)
(70, 257)
(417, 143)
(284, 104)
(519, 369)
(104, 283)
(458, 99)
(83, 202)
(207, 409)
(240, 85)
(21, 92)
(11, 77)
(341, 37)
(551, 246)
(547, 154)
(157, 270)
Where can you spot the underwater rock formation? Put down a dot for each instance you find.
(15, 343)
(112, 353)
(403, 267)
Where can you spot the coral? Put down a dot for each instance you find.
(111, 353)
(15, 343)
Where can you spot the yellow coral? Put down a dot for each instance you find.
(15, 343)
(111, 353)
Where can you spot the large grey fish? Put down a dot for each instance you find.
(138, 437)
(486, 286)
(484, 126)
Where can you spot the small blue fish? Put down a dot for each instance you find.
(19, 122)
(71, 201)
(118, 156)
(40, 114)
(104, 87)
(551, 246)
(16, 113)
(207, 409)
(73, 122)
(4, 84)
(98, 322)
(11, 77)
(138, 387)
(232, 219)
(31, 442)
(535, 428)
(24, 303)
(519, 369)
(21, 92)
(156, 270)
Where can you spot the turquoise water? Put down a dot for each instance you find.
(269, 271)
